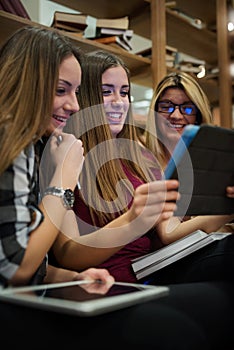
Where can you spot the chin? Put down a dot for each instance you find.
(116, 131)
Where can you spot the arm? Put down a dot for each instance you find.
(172, 229)
(153, 202)
(68, 159)
(57, 275)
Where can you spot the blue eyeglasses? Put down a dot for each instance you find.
(188, 109)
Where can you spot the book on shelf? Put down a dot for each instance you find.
(73, 22)
(171, 49)
(171, 52)
(146, 265)
(116, 23)
(189, 68)
(189, 64)
(120, 40)
(170, 55)
(15, 7)
(182, 58)
(101, 32)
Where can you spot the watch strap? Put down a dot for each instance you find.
(67, 195)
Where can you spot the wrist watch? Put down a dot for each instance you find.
(67, 195)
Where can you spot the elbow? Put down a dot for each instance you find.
(167, 239)
(20, 278)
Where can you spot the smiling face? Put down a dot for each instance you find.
(171, 125)
(65, 101)
(115, 89)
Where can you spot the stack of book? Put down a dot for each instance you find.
(189, 64)
(171, 54)
(114, 32)
(75, 23)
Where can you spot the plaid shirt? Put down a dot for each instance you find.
(19, 214)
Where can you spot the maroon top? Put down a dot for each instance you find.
(119, 264)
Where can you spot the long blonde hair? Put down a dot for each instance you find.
(195, 93)
(29, 62)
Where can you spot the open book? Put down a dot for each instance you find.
(154, 261)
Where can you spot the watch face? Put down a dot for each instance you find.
(69, 198)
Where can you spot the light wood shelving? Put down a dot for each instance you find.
(151, 19)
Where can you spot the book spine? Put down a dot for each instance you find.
(106, 40)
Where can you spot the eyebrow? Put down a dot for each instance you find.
(185, 102)
(112, 85)
(65, 81)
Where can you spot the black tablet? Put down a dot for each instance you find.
(82, 298)
(203, 162)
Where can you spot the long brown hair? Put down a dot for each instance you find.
(106, 157)
(29, 62)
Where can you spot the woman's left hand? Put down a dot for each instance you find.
(230, 191)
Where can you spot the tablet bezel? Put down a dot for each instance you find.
(84, 308)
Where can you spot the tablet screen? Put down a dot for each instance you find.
(83, 298)
(82, 292)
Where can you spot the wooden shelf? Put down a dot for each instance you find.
(106, 8)
(200, 43)
(204, 45)
(136, 64)
(175, 31)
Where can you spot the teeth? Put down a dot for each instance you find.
(60, 118)
(114, 115)
(174, 126)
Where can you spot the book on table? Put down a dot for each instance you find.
(152, 262)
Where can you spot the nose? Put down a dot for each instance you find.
(117, 99)
(117, 103)
(176, 113)
(72, 104)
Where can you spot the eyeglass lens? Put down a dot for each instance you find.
(169, 107)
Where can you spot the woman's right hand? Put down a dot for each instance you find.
(153, 202)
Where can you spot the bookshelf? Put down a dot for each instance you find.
(151, 19)
(10, 23)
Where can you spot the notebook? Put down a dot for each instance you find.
(82, 298)
(203, 162)
(175, 251)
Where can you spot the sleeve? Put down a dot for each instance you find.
(19, 213)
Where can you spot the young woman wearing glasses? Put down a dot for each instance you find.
(177, 101)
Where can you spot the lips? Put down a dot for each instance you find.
(60, 119)
(114, 117)
(177, 127)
